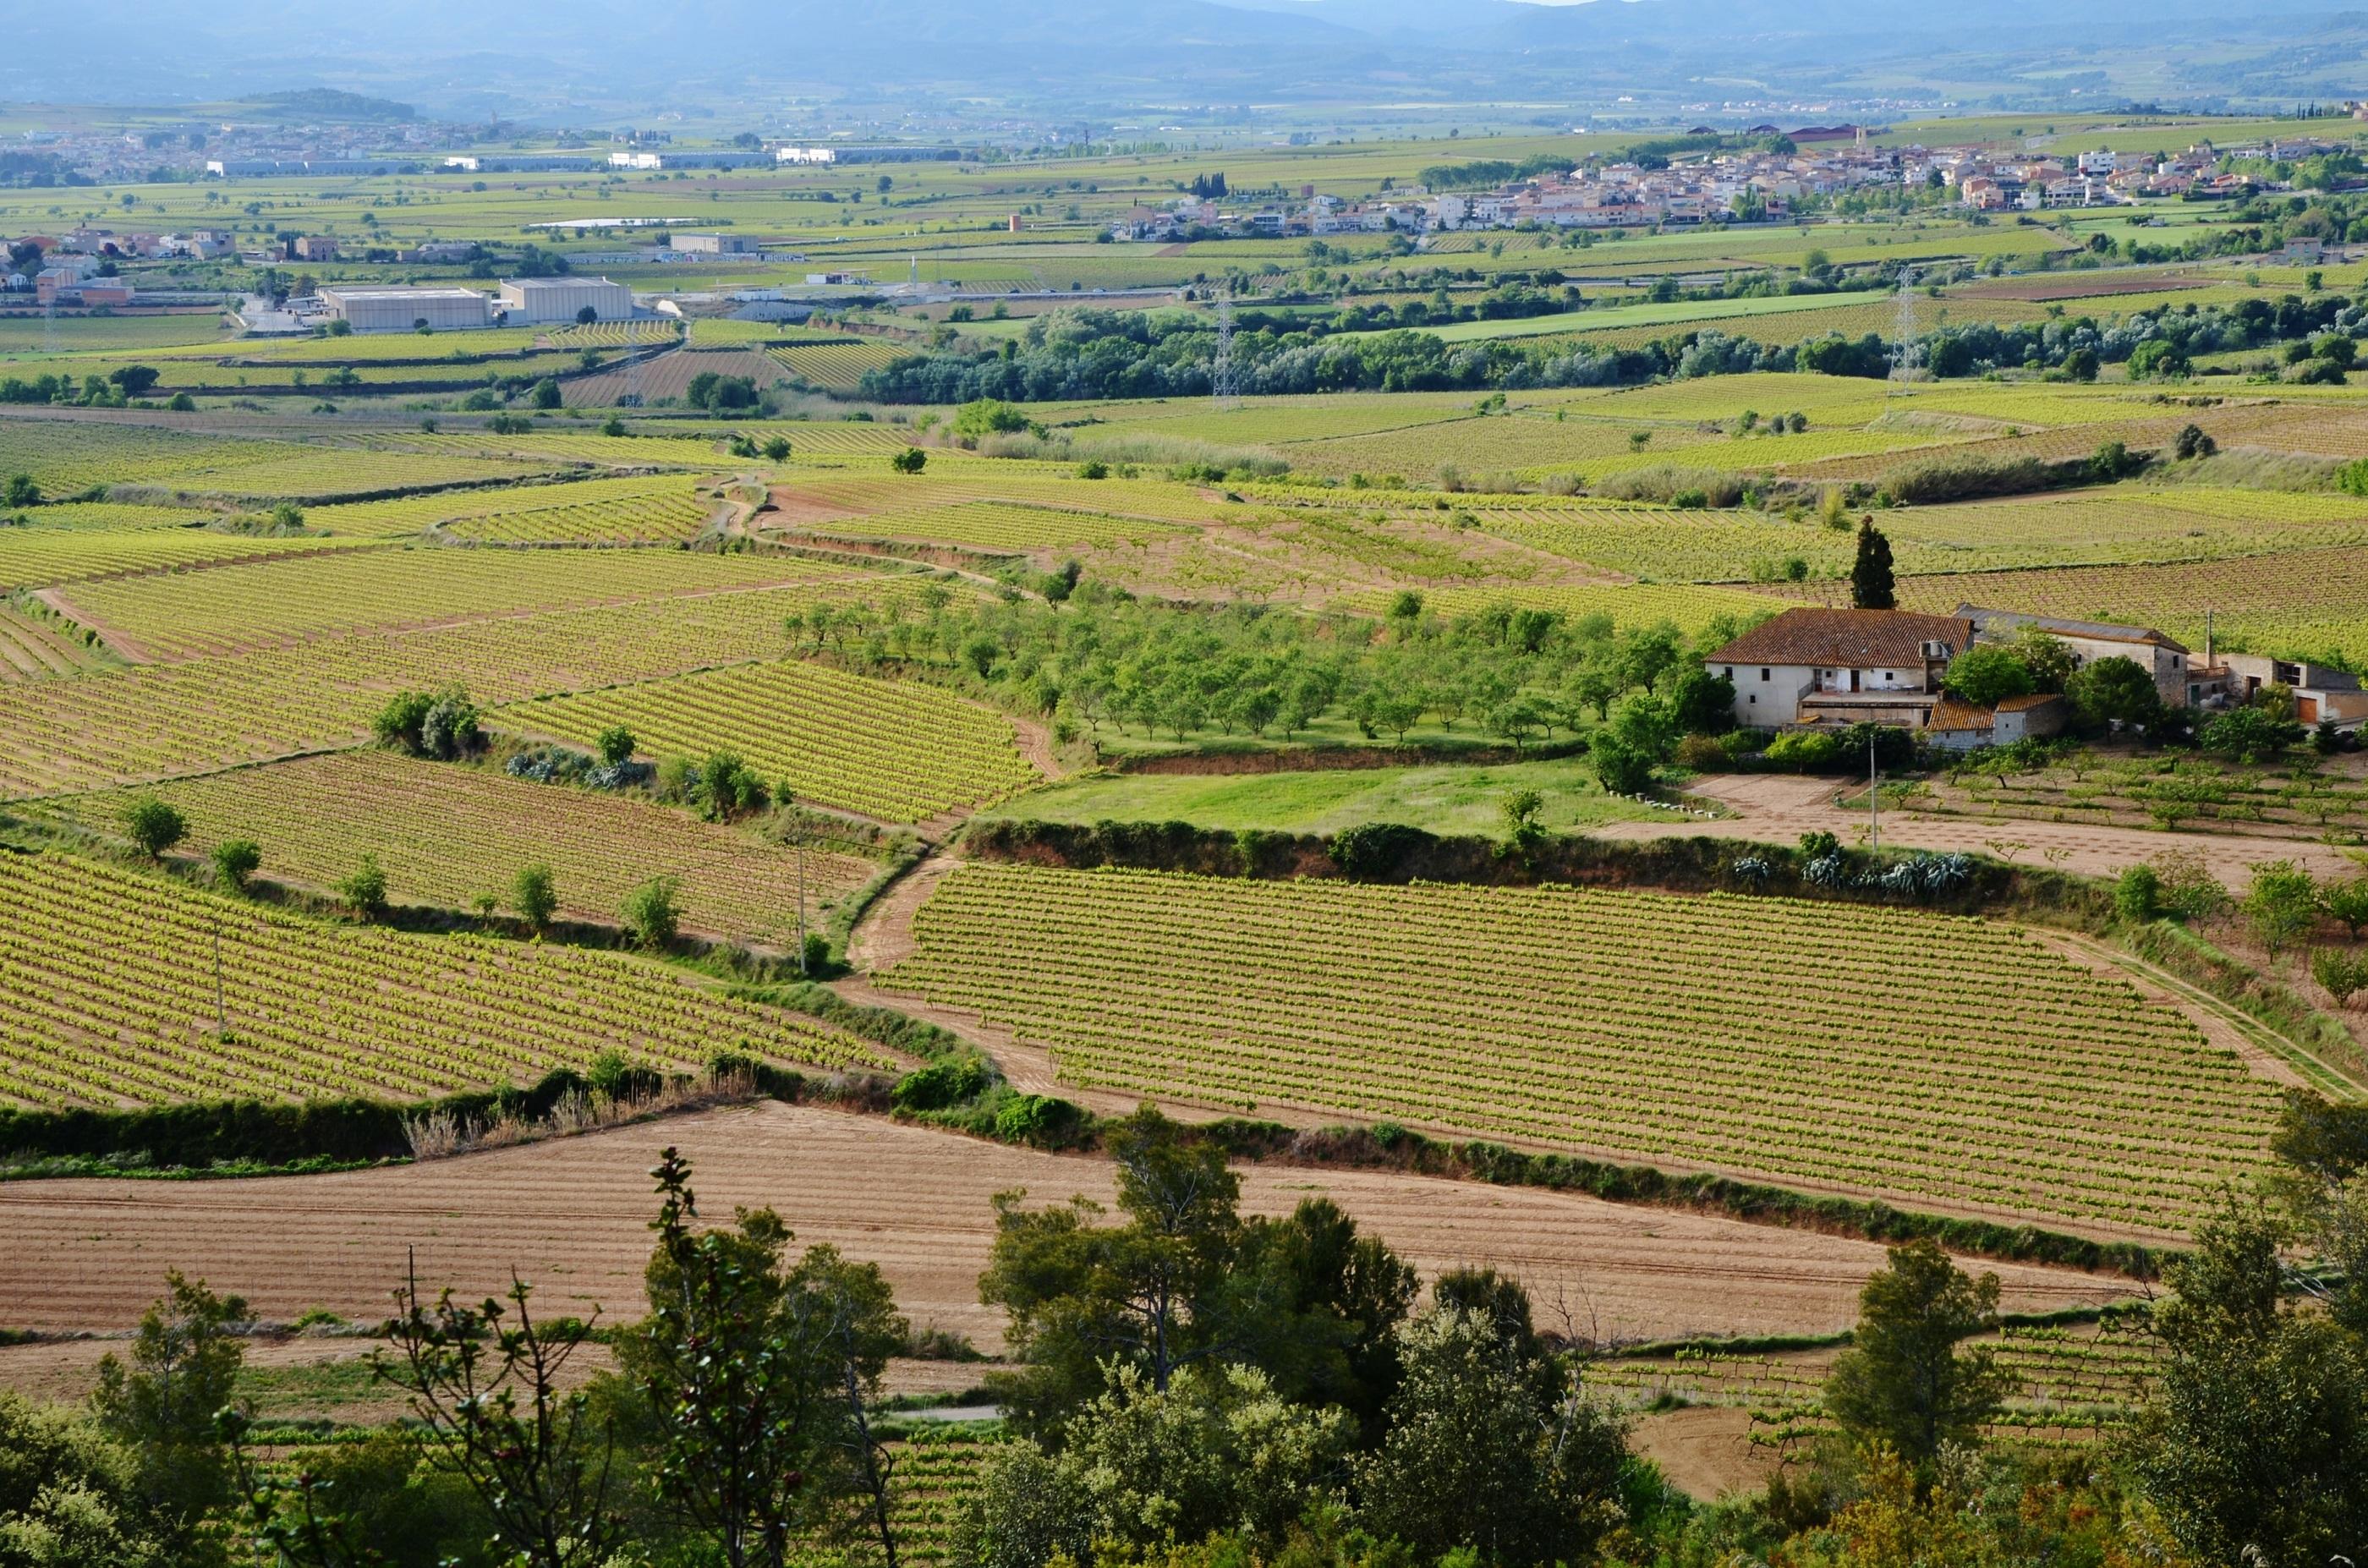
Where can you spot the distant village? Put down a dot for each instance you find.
(1751, 187)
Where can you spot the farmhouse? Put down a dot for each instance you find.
(1841, 667)
(401, 310)
(2176, 675)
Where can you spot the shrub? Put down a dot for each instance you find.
(1375, 850)
(236, 859)
(942, 1084)
(2348, 902)
(1805, 751)
(1934, 480)
(911, 459)
(651, 915)
(1667, 481)
(2138, 895)
(153, 825)
(1040, 1120)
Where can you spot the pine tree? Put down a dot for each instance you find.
(1870, 587)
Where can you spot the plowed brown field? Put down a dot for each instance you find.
(570, 1216)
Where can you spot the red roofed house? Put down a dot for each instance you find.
(1841, 667)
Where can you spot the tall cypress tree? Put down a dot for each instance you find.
(1871, 576)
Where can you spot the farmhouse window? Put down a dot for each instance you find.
(1763, 672)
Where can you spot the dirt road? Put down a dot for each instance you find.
(1778, 807)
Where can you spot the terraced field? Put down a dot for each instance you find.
(186, 614)
(837, 364)
(1004, 526)
(446, 834)
(34, 558)
(1921, 1058)
(889, 750)
(35, 647)
(635, 509)
(162, 720)
(108, 997)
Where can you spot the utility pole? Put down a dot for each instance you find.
(1221, 380)
(1873, 819)
(802, 902)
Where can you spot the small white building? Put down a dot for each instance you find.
(539, 301)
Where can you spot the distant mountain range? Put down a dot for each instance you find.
(595, 59)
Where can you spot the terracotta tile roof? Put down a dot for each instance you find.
(1847, 638)
(2025, 704)
(1951, 714)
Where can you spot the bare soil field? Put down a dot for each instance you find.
(571, 1217)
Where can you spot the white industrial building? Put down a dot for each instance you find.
(378, 309)
(535, 301)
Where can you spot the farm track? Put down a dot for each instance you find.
(570, 1216)
(1778, 807)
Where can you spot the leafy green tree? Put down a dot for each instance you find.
(651, 914)
(68, 1493)
(2282, 906)
(1218, 1449)
(534, 893)
(2348, 902)
(2157, 357)
(2114, 692)
(21, 491)
(236, 859)
(2138, 895)
(153, 825)
(160, 1406)
(615, 745)
(1871, 576)
(1490, 1452)
(1183, 1280)
(1619, 767)
(758, 1373)
(777, 448)
(1524, 829)
(2048, 658)
(728, 787)
(1904, 1381)
(545, 393)
(490, 1390)
(365, 890)
(1986, 675)
(2254, 1447)
(2343, 975)
(911, 459)
(1702, 703)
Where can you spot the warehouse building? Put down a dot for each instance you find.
(534, 302)
(401, 310)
